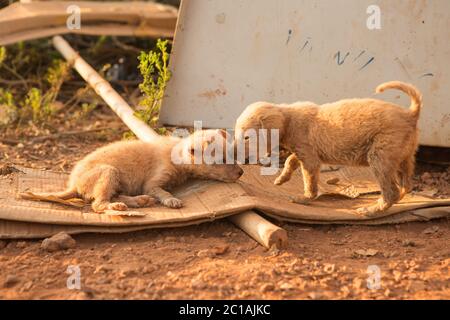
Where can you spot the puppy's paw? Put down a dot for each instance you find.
(172, 203)
(279, 181)
(119, 206)
(145, 201)
(301, 200)
(370, 211)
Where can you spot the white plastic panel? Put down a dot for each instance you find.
(228, 54)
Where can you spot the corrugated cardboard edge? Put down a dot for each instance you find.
(29, 230)
(209, 200)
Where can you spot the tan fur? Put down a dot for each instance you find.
(135, 173)
(356, 132)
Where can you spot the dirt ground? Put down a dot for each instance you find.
(216, 260)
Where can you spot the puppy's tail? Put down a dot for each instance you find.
(63, 195)
(67, 197)
(409, 89)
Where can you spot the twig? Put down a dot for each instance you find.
(69, 133)
(16, 82)
(12, 71)
(124, 46)
(11, 142)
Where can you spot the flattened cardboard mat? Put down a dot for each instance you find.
(208, 200)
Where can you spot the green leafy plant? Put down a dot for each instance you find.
(41, 105)
(153, 67)
(2, 54)
(8, 109)
(32, 105)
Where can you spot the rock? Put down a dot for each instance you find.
(213, 252)
(397, 275)
(198, 284)
(127, 272)
(11, 281)
(287, 286)
(329, 268)
(428, 193)
(315, 296)
(366, 253)
(267, 287)
(2, 244)
(357, 283)
(11, 245)
(426, 177)
(205, 253)
(431, 230)
(60, 241)
(102, 269)
(333, 181)
(27, 286)
(409, 243)
(21, 244)
(220, 250)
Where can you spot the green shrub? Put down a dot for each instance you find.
(34, 105)
(153, 67)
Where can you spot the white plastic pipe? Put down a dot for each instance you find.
(253, 224)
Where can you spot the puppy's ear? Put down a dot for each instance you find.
(273, 119)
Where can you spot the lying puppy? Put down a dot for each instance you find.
(355, 132)
(133, 173)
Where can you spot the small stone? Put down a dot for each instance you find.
(89, 293)
(366, 253)
(60, 241)
(357, 283)
(198, 284)
(127, 272)
(333, 181)
(397, 275)
(27, 286)
(220, 250)
(267, 287)
(102, 269)
(431, 230)
(426, 177)
(205, 253)
(11, 281)
(315, 296)
(273, 251)
(287, 286)
(2, 244)
(21, 244)
(329, 268)
(11, 245)
(409, 243)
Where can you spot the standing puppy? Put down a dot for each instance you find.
(132, 173)
(355, 132)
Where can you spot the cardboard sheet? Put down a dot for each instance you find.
(206, 201)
